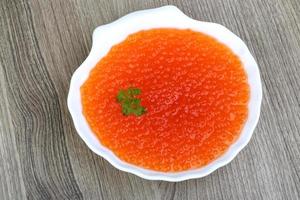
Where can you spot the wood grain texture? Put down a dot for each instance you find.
(41, 155)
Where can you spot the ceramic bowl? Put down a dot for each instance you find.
(106, 36)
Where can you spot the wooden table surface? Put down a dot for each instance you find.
(42, 157)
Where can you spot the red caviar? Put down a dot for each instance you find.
(193, 87)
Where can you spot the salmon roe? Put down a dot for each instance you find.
(193, 87)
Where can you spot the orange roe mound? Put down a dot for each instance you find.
(193, 87)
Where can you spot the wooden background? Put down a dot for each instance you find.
(42, 157)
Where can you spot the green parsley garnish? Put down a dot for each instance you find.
(129, 102)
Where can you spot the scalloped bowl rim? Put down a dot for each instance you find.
(105, 36)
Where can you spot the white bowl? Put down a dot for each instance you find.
(105, 36)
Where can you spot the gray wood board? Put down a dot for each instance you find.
(42, 157)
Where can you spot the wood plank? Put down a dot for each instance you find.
(41, 155)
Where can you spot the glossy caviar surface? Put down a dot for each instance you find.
(194, 90)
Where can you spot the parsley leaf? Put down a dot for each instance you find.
(130, 104)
